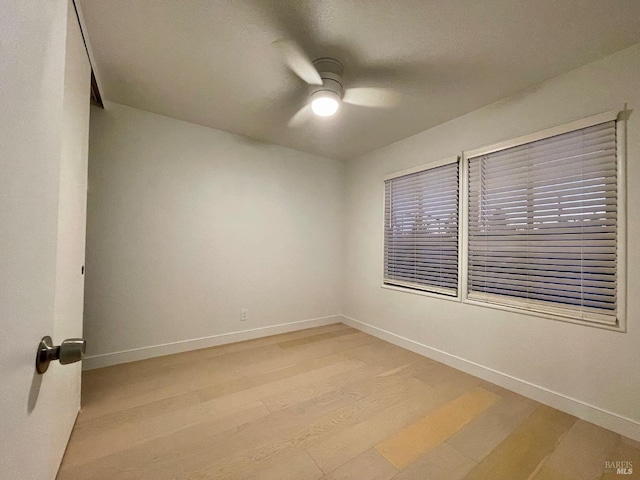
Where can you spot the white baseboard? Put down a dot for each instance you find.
(125, 356)
(606, 419)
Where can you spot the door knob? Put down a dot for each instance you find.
(69, 351)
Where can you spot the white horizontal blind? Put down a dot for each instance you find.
(543, 225)
(421, 230)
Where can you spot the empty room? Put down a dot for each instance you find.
(320, 239)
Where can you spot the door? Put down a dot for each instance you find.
(44, 93)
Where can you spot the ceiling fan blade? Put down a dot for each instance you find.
(298, 62)
(302, 116)
(371, 97)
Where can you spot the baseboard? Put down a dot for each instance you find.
(606, 419)
(126, 356)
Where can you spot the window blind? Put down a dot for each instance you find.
(543, 225)
(421, 230)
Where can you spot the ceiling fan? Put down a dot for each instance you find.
(326, 91)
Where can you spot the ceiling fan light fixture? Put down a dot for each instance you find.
(325, 103)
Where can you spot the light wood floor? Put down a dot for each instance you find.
(328, 402)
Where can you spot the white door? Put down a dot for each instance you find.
(44, 118)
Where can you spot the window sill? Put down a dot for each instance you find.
(422, 293)
(619, 327)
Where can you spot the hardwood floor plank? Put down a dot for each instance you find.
(104, 378)
(441, 463)
(439, 372)
(518, 456)
(369, 465)
(252, 380)
(134, 462)
(152, 388)
(294, 467)
(478, 438)
(276, 358)
(288, 397)
(407, 445)
(546, 473)
(631, 442)
(313, 338)
(94, 425)
(371, 400)
(291, 464)
(88, 446)
(85, 447)
(624, 452)
(341, 448)
(381, 353)
(582, 452)
(300, 380)
(284, 337)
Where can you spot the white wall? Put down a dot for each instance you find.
(595, 367)
(187, 225)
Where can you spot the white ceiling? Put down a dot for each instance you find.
(211, 62)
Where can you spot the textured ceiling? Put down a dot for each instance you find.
(213, 63)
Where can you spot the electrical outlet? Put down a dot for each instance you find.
(244, 313)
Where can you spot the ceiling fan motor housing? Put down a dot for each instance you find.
(330, 71)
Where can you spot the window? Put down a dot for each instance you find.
(421, 228)
(543, 224)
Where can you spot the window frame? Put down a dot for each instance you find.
(562, 314)
(421, 168)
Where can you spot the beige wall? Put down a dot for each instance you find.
(594, 367)
(188, 225)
